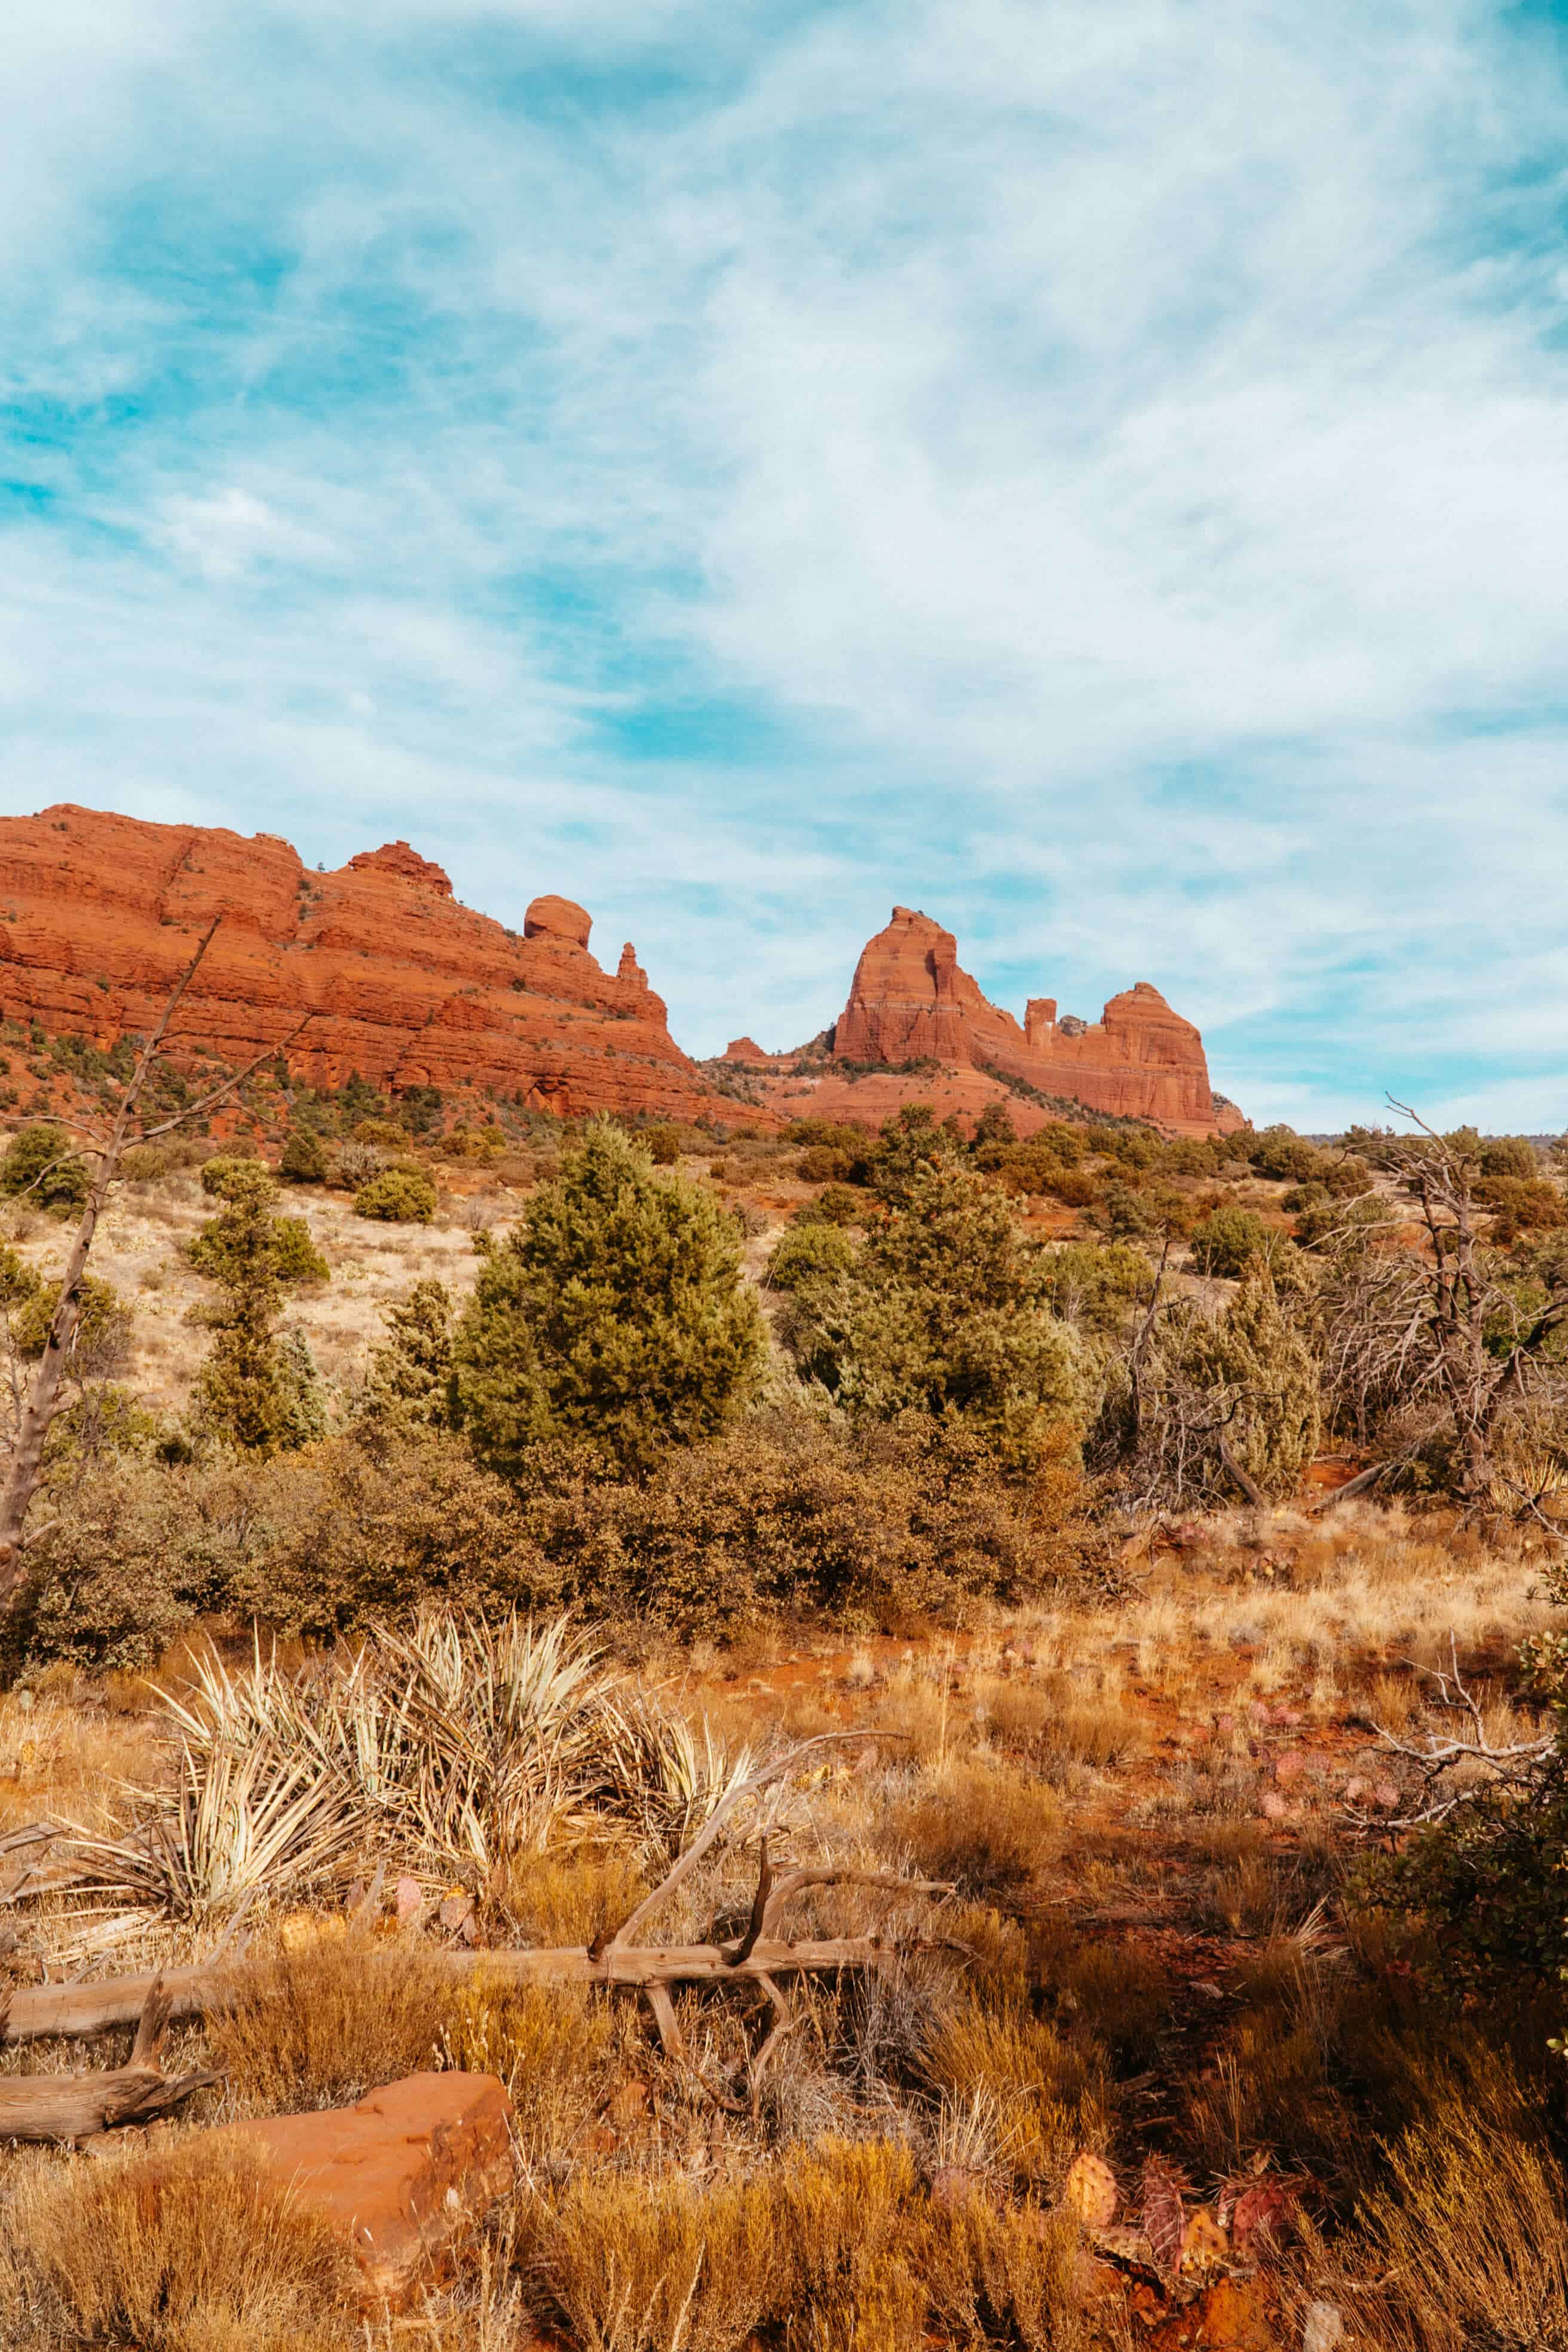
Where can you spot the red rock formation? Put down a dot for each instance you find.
(99, 913)
(911, 1000)
(745, 1049)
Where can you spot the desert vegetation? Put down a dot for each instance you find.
(969, 1725)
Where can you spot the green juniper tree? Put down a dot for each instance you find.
(40, 1162)
(613, 1317)
(408, 1387)
(254, 1389)
(946, 1309)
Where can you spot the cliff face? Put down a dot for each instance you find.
(911, 1000)
(99, 914)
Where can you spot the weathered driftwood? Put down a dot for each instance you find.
(37, 2011)
(78, 2107)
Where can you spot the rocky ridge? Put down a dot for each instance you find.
(912, 1003)
(98, 914)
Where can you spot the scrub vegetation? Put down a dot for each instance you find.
(1154, 1547)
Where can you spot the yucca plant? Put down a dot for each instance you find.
(659, 1777)
(262, 1818)
(446, 1749)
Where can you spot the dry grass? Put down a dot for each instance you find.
(1467, 2236)
(320, 2014)
(566, 1898)
(633, 2266)
(562, 2051)
(1048, 2094)
(1141, 1805)
(184, 2251)
(987, 1829)
(140, 1248)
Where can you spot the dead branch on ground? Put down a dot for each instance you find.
(1509, 1765)
(759, 1956)
(74, 2107)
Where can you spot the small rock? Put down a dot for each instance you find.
(409, 1900)
(1322, 2328)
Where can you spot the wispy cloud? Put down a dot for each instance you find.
(1098, 472)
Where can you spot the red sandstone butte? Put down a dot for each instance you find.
(98, 914)
(911, 1000)
(404, 2175)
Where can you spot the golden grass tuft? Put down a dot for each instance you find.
(1050, 2091)
(189, 2252)
(323, 2013)
(637, 2265)
(844, 2218)
(988, 1831)
(1469, 2232)
(567, 1898)
(1004, 2277)
(553, 2046)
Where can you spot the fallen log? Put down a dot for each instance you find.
(1361, 1484)
(38, 2011)
(74, 2107)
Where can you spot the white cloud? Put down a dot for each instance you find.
(1112, 455)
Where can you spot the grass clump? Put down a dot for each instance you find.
(323, 2013)
(189, 2250)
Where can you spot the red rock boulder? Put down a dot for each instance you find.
(405, 2175)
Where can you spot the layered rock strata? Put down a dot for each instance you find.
(98, 915)
(912, 1002)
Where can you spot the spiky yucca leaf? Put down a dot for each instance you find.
(443, 1751)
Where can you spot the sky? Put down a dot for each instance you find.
(1096, 470)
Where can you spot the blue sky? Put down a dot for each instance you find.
(1094, 470)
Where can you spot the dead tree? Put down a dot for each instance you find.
(43, 1398)
(1463, 1305)
(74, 2107)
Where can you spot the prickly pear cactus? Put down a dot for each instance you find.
(1090, 2190)
(1164, 2215)
(1204, 2246)
(1265, 2209)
